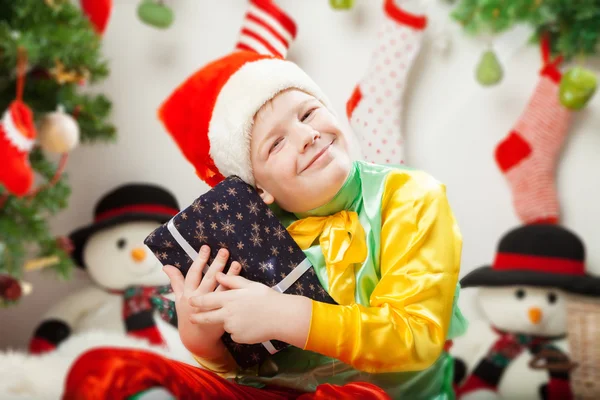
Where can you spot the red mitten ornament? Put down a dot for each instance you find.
(17, 137)
(98, 11)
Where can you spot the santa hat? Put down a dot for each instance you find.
(17, 138)
(210, 115)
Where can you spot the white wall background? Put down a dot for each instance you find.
(452, 124)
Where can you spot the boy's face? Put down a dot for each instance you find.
(300, 156)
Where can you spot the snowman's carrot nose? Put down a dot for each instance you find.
(138, 254)
(535, 315)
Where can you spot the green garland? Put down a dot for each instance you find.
(573, 26)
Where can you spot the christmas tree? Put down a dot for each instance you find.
(49, 50)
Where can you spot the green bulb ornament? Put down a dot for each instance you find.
(155, 13)
(489, 71)
(577, 87)
(341, 4)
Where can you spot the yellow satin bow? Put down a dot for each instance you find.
(343, 243)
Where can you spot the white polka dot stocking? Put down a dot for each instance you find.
(375, 107)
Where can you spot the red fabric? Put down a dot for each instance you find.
(98, 12)
(415, 21)
(136, 208)
(512, 151)
(552, 72)
(261, 40)
(114, 373)
(547, 220)
(271, 8)
(151, 334)
(242, 46)
(506, 261)
(559, 389)
(473, 384)
(275, 28)
(550, 68)
(196, 97)
(140, 299)
(353, 101)
(448, 346)
(39, 346)
(268, 27)
(16, 173)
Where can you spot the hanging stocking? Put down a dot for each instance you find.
(266, 29)
(98, 12)
(375, 107)
(17, 137)
(528, 155)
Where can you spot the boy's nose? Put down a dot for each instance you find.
(311, 138)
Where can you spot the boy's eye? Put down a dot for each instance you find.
(275, 144)
(307, 114)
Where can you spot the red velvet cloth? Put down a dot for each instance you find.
(115, 373)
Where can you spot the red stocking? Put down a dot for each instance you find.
(529, 154)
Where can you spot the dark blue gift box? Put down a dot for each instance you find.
(232, 215)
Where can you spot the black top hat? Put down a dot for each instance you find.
(541, 255)
(127, 203)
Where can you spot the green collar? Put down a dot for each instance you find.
(345, 199)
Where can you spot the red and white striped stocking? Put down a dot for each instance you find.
(375, 107)
(266, 29)
(528, 155)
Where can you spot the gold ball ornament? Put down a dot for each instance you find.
(58, 132)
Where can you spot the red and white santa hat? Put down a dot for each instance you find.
(210, 115)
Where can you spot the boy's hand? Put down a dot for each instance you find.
(201, 339)
(253, 313)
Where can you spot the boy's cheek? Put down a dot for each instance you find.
(286, 165)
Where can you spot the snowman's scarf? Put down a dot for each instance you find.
(139, 305)
(487, 374)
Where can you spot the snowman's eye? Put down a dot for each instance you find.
(552, 298)
(121, 243)
(520, 293)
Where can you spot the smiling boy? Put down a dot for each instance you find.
(383, 242)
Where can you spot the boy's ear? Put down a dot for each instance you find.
(266, 196)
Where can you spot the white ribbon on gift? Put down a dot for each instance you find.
(281, 287)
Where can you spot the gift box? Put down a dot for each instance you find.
(232, 215)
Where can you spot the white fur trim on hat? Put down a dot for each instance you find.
(245, 92)
(14, 135)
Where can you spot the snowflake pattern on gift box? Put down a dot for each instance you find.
(232, 215)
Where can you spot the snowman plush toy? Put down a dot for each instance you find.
(130, 293)
(521, 352)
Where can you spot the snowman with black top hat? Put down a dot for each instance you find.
(128, 303)
(130, 294)
(521, 351)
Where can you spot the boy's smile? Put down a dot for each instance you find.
(321, 158)
(299, 153)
